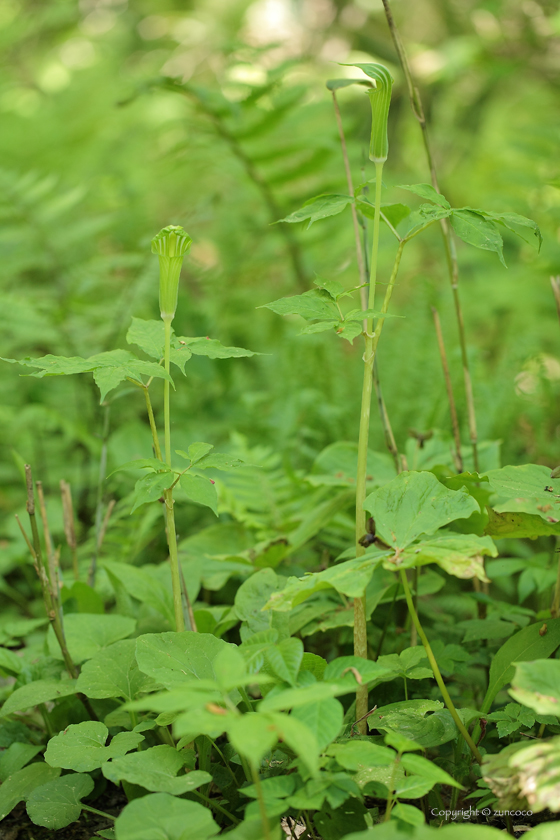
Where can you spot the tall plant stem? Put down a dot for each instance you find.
(100, 480)
(450, 251)
(262, 806)
(437, 673)
(157, 448)
(449, 388)
(360, 626)
(168, 494)
(363, 271)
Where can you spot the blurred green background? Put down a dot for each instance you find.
(96, 156)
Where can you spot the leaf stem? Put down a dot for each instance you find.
(99, 813)
(212, 804)
(437, 673)
(153, 427)
(168, 494)
(262, 806)
(360, 627)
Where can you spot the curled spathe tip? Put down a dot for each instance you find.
(171, 241)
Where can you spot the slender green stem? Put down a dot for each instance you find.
(99, 813)
(168, 495)
(100, 484)
(555, 607)
(437, 673)
(153, 427)
(262, 807)
(174, 561)
(166, 413)
(212, 804)
(391, 798)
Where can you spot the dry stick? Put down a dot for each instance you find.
(450, 252)
(51, 562)
(99, 503)
(363, 272)
(555, 283)
(69, 529)
(52, 603)
(449, 387)
(103, 531)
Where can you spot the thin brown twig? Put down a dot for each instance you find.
(69, 528)
(449, 388)
(449, 243)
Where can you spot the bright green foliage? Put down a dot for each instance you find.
(415, 504)
(156, 770)
(537, 685)
(526, 645)
(87, 634)
(318, 208)
(58, 803)
(109, 369)
(163, 816)
(81, 747)
(22, 783)
(39, 691)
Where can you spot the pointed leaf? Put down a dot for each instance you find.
(39, 691)
(152, 487)
(156, 770)
(315, 304)
(20, 784)
(323, 719)
(427, 191)
(201, 490)
(214, 349)
(318, 208)
(478, 231)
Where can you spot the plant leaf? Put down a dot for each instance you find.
(156, 770)
(526, 645)
(88, 633)
(201, 490)
(152, 487)
(315, 304)
(214, 349)
(56, 804)
(427, 191)
(20, 784)
(81, 746)
(165, 817)
(318, 208)
(416, 503)
(39, 691)
(537, 685)
(172, 659)
(478, 231)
